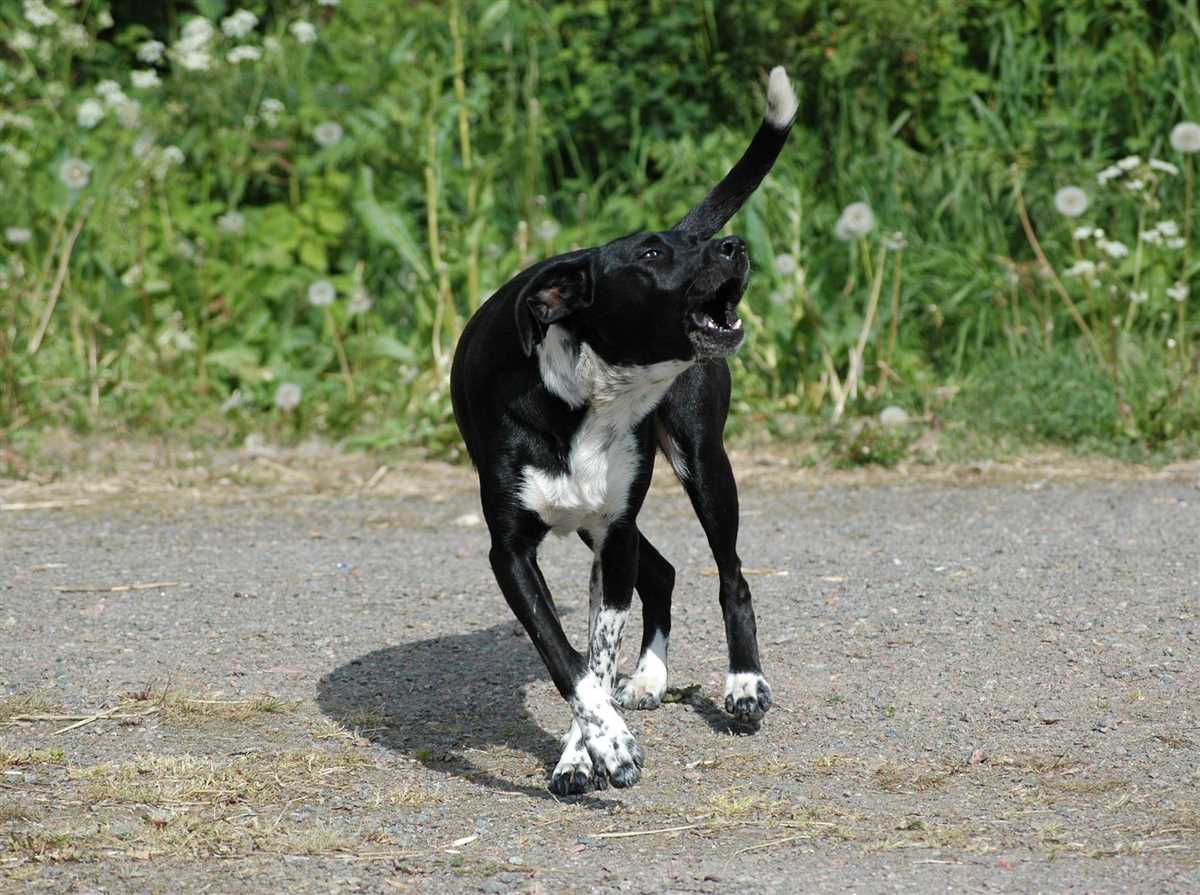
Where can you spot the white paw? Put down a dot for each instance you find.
(645, 689)
(614, 752)
(747, 695)
(574, 773)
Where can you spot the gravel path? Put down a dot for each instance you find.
(979, 688)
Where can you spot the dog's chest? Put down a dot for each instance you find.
(604, 458)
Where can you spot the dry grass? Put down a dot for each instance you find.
(29, 704)
(30, 758)
(893, 777)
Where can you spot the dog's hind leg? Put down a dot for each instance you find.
(655, 581)
(691, 422)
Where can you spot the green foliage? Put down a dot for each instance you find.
(414, 156)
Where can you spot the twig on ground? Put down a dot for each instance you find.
(117, 588)
(631, 833)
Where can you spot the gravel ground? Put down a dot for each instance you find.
(979, 687)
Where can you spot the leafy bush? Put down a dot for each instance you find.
(187, 184)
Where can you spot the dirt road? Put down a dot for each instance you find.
(979, 688)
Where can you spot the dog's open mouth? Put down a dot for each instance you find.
(712, 321)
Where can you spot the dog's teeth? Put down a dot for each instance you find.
(737, 324)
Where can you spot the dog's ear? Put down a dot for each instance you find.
(553, 293)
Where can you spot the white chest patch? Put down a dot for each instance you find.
(603, 460)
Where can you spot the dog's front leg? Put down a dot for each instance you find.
(598, 736)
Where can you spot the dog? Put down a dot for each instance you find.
(564, 383)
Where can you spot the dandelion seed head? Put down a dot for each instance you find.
(856, 221)
(321, 293)
(1071, 201)
(327, 133)
(75, 173)
(287, 396)
(231, 222)
(786, 264)
(1185, 137)
(89, 113)
(548, 229)
(304, 32)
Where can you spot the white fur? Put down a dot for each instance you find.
(603, 461)
(574, 756)
(604, 733)
(741, 684)
(670, 447)
(649, 681)
(781, 99)
(607, 627)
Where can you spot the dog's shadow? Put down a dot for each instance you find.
(439, 700)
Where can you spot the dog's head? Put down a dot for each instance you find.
(642, 299)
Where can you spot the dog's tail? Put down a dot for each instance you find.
(730, 194)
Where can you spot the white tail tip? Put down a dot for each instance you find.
(781, 99)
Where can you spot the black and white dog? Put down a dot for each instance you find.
(564, 382)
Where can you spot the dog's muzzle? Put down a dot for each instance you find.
(711, 317)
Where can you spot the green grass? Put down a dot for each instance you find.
(476, 137)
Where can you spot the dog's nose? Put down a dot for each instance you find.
(731, 247)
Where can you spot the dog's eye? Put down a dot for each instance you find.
(650, 254)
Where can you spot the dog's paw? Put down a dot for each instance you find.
(616, 757)
(638, 692)
(747, 696)
(575, 773)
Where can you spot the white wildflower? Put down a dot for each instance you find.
(89, 113)
(287, 396)
(1135, 185)
(1081, 268)
(1185, 137)
(786, 264)
(304, 32)
(1114, 248)
(327, 133)
(1150, 237)
(108, 88)
(1129, 162)
(360, 302)
(1178, 292)
(132, 277)
(548, 229)
(327, 2)
(243, 54)
(104, 20)
(194, 60)
(321, 293)
(1166, 167)
(197, 32)
(239, 24)
(39, 14)
(151, 51)
(129, 112)
(1109, 173)
(1071, 201)
(1176, 242)
(1139, 296)
(18, 235)
(1082, 233)
(894, 241)
(144, 79)
(74, 36)
(231, 222)
(270, 110)
(1167, 228)
(272, 44)
(856, 221)
(173, 154)
(142, 146)
(22, 40)
(75, 173)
